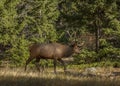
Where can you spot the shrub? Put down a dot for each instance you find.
(85, 57)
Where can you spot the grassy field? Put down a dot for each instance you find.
(17, 77)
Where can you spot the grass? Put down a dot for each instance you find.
(17, 77)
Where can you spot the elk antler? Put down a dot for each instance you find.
(68, 34)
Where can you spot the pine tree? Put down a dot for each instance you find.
(37, 19)
(99, 17)
(94, 16)
(24, 22)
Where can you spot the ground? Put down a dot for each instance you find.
(73, 77)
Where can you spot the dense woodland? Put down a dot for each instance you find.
(94, 22)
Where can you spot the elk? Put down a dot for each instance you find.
(55, 51)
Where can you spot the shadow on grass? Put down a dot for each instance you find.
(56, 81)
(48, 78)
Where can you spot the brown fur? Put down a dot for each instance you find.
(54, 51)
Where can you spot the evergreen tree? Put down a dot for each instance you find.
(37, 18)
(24, 22)
(27, 21)
(99, 17)
(96, 16)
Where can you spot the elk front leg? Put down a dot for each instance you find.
(55, 62)
(37, 64)
(63, 63)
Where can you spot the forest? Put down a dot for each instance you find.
(94, 22)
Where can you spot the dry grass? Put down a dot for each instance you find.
(17, 77)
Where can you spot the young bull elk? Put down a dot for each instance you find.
(55, 51)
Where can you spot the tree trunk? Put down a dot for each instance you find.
(97, 39)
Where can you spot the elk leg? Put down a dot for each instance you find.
(27, 62)
(55, 62)
(37, 64)
(45, 66)
(63, 63)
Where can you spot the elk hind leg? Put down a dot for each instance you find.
(27, 62)
(37, 64)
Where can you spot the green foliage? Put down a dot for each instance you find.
(89, 16)
(96, 64)
(23, 22)
(108, 56)
(27, 21)
(85, 57)
(109, 53)
(37, 20)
